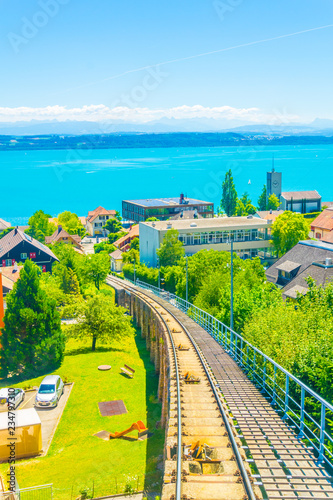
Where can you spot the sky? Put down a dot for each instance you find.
(252, 60)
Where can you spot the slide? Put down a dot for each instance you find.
(137, 426)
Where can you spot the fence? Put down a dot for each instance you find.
(309, 414)
(34, 493)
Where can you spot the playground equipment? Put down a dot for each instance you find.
(136, 426)
(128, 370)
(191, 379)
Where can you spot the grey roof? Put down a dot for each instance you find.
(305, 252)
(15, 237)
(293, 292)
(210, 223)
(288, 266)
(322, 276)
(167, 202)
(116, 254)
(301, 195)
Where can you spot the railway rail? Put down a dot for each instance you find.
(205, 460)
(282, 464)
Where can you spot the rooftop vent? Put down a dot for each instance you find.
(193, 224)
(169, 225)
(328, 261)
(250, 217)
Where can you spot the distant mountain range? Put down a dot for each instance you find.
(321, 127)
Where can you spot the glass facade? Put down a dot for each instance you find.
(212, 237)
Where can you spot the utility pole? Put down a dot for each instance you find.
(186, 279)
(232, 286)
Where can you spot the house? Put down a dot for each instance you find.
(4, 225)
(307, 258)
(62, 236)
(96, 219)
(17, 246)
(10, 275)
(250, 236)
(322, 226)
(124, 242)
(164, 208)
(301, 201)
(269, 214)
(116, 261)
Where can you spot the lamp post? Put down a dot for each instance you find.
(134, 273)
(232, 285)
(186, 279)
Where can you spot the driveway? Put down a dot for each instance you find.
(50, 417)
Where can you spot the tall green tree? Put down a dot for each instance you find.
(273, 202)
(71, 223)
(135, 243)
(229, 195)
(287, 230)
(113, 226)
(97, 267)
(262, 200)
(99, 319)
(39, 226)
(6, 231)
(244, 206)
(172, 250)
(32, 341)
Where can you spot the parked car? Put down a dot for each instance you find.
(50, 391)
(18, 398)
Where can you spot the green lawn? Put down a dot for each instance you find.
(76, 459)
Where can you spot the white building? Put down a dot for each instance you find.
(251, 236)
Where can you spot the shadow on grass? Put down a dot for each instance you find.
(156, 437)
(87, 350)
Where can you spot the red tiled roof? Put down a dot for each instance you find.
(324, 220)
(99, 211)
(117, 254)
(61, 233)
(328, 238)
(11, 272)
(132, 233)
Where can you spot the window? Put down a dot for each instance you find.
(10, 262)
(24, 256)
(32, 255)
(318, 236)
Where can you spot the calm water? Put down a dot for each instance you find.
(81, 180)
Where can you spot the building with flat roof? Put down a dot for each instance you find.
(164, 208)
(250, 236)
(301, 201)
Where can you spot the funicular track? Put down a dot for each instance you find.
(281, 464)
(215, 468)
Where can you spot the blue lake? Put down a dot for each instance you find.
(81, 180)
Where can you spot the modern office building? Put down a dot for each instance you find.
(164, 208)
(250, 236)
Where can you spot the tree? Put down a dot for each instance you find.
(152, 219)
(71, 223)
(104, 247)
(288, 229)
(135, 243)
(112, 237)
(40, 226)
(172, 250)
(32, 341)
(262, 200)
(244, 206)
(97, 267)
(100, 319)
(229, 195)
(132, 255)
(113, 226)
(118, 216)
(273, 202)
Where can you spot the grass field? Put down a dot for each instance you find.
(77, 459)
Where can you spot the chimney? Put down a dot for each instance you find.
(271, 211)
(181, 199)
(59, 229)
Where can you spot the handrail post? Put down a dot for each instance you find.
(322, 432)
(301, 429)
(241, 359)
(264, 375)
(274, 383)
(286, 399)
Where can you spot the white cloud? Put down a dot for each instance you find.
(102, 113)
